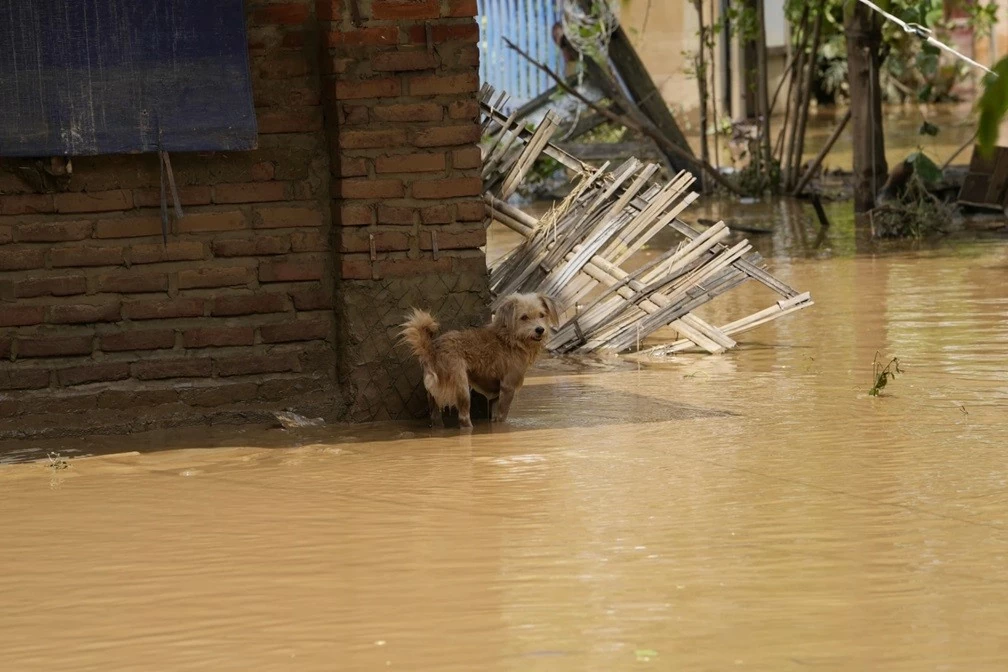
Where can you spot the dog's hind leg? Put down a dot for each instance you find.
(463, 409)
(435, 411)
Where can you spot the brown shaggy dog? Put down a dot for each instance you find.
(491, 360)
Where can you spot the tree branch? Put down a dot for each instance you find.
(645, 127)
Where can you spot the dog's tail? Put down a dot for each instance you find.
(418, 332)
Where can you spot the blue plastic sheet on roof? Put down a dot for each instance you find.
(117, 76)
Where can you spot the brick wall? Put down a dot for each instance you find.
(406, 175)
(293, 262)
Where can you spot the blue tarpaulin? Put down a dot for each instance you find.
(117, 76)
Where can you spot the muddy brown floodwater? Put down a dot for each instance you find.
(755, 510)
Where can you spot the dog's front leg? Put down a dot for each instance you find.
(507, 393)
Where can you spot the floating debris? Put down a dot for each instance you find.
(289, 420)
(577, 251)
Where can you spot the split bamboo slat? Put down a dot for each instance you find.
(578, 250)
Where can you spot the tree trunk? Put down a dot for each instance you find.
(864, 39)
(763, 93)
(700, 65)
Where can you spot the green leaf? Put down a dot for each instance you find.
(993, 107)
(927, 128)
(926, 169)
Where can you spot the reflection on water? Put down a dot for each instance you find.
(754, 510)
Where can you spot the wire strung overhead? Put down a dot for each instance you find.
(926, 35)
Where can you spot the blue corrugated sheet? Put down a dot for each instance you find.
(116, 76)
(529, 24)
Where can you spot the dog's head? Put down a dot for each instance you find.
(527, 317)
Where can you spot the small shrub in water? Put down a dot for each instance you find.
(882, 374)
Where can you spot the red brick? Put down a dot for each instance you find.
(21, 259)
(52, 232)
(23, 379)
(352, 115)
(405, 9)
(298, 330)
(163, 309)
(454, 240)
(128, 227)
(356, 240)
(467, 109)
(376, 35)
(251, 247)
(351, 167)
(312, 299)
(292, 269)
(249, 192)
(402, 268)
(309, 241)
(188, 195)
(83, 313)
(147, 339)
(451, 187)
(285, 13)
(367, 188)
(95, 201)
(159, 369)
(205, 278)
(466, 31)
(127, 399)
(394, 214)
(436, 214)
(286, 217)
(387, 87)
(26, 204)
(6, 234)
(86, 255)
(20, 315)
(468, 56)
(263, 171)
(471, 211)
(218, 337)
(390, 137)
(251, 304)
(354, 215)
(132, 282)
(280, 66)
(329, 10)
(470, 157)
(294, 39)
(435, 85)
(65, 346)
(152, 254)
(410, 163)
(437, 136)
(461, 8)
(243, 366)
(62, 285)
(356, 267)
(409, 112)
(93, 373)
(218, 394)
(305, 120)
(200, 222)
(401, 61)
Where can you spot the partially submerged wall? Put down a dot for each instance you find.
(282, 284)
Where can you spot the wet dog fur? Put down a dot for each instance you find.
(491, 360)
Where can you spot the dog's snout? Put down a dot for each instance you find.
(540, 330)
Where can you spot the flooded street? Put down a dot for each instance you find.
(753, 510)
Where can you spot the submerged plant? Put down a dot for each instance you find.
(882, 374)
(57, 462)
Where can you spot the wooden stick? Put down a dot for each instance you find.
(803, 182)
(647, 128)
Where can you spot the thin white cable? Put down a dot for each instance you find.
(925, 34)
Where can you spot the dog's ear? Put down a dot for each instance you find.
(550, 304)
(507, 314)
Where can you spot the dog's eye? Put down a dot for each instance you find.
(524, 318)
(542, 314)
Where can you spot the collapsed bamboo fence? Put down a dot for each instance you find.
(578, 252)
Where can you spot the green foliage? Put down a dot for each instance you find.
(916, 213)
(883, 374)
(927, 128)
(993, 107)
(924, 168)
